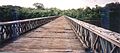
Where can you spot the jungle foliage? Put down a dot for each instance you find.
(9, 12)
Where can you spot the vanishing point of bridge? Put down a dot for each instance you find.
(56, 35)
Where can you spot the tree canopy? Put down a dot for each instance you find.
(7, 12)
(39, 5)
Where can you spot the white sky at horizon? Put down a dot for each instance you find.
(61, 4)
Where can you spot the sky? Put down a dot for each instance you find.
(61, 4)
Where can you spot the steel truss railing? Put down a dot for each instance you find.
(95, 39)
(13, 29)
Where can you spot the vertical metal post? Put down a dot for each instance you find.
(14, 26)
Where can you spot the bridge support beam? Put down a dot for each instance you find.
(95, 39)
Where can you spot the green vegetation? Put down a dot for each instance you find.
(9, 12)
(114, 16)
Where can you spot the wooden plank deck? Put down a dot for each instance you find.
(54, 37)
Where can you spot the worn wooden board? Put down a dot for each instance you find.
(54, 37)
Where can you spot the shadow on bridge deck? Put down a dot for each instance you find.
(54, 37)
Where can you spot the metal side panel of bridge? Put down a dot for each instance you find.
(55, 37)
(95, 39)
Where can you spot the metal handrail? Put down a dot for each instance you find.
(95, 39)
(13, 29)
(18, 21)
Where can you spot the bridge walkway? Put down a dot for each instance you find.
(54, 37)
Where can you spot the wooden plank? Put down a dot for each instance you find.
(54, 37)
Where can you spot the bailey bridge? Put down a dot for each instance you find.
(56, 34)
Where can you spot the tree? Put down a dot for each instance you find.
(114, 16)
(9, 12)
(39, 5)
